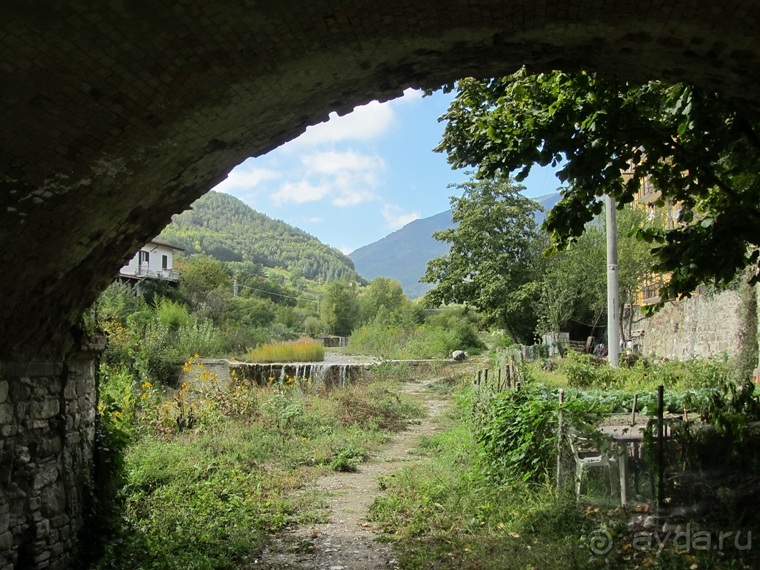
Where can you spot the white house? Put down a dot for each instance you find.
(153, 261)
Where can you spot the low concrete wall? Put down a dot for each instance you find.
(47, 429)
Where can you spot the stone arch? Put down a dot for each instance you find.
(118, 115)
(115, 115)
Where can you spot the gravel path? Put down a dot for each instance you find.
(347, 541)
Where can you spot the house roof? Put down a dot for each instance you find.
(163, 243)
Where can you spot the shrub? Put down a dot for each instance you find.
(520, 436)
(172, 315)
(385, 339)
(585, 370)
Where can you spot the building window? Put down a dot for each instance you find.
(144, 257)
(164, 262)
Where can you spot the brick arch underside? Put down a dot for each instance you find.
(117, 116)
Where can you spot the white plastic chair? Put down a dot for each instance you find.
(589, 453)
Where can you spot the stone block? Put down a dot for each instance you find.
(48, 446)
(70, 391)
(45, 409)
(42, 556)
(5, 521)
(6, 414)
(22, 454)
(45, 476)
(58, 521)
(53, 502)
(64, 532)
(3, 391)
(42, 529)
(6, 541)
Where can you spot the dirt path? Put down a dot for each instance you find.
(347, 541)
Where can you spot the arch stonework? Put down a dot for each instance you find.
(116, 115)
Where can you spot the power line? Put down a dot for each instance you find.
(315, 299)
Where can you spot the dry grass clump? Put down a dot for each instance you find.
(302, 350)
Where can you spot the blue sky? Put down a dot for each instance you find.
(354, 179)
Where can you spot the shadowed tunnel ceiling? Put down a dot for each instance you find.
(117, 114)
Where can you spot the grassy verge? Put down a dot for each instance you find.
(206, 498)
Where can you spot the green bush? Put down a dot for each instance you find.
(386, 339)
(519, 437)
(585, 370)
(172, 315)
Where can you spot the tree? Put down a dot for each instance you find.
(339, 308)
(495, 259)
(575, 282)
(200, 275)
(698, 150)
(574, 287)
(381, 292)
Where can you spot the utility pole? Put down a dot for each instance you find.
(235, 288)
(613, 306)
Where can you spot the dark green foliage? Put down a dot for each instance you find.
(223, 227)
(495, 262)
(340, 308)
(381, 292)
(519, 437)
(104, 499)
(702, 153)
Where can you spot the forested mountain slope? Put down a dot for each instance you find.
(225, 228)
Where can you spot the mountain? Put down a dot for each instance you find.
(403, 255)
(227, 229)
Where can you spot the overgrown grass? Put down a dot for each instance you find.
(586, 371)
(450, 512)
(302, 350)
(447, 514)
(206, 495)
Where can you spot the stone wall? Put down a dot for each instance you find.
(701, 326)
(47, 428)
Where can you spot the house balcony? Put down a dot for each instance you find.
(161, 274)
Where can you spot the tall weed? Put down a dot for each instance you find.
(302, 350)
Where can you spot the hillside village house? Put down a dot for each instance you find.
(153, 261)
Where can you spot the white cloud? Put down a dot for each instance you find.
(334, 162)
(245, 176)
(299, 192)
(411, 95)
(351, 175)
(351, 196)
(314, 220)
(364, 123)
(396, 218)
